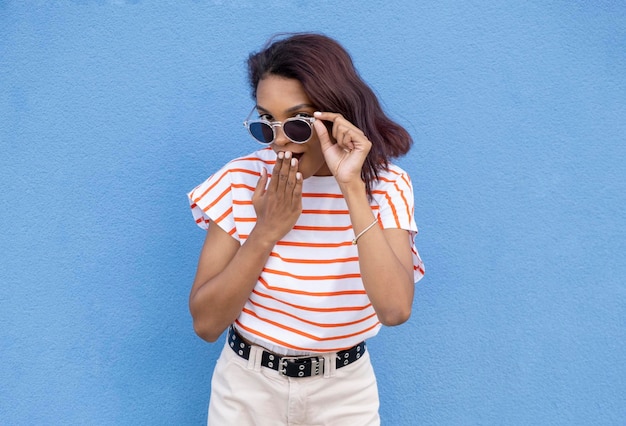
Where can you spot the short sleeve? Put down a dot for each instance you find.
(213, 200)
(396, 203)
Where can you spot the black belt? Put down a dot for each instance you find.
(294, 366)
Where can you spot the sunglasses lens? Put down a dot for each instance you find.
(261, 132)
(297, 130)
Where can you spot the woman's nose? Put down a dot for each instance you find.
(281, 139)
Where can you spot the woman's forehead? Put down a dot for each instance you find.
(280, 93)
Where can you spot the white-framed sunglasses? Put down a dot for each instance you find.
(297, 129)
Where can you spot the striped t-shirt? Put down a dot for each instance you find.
(309, 296)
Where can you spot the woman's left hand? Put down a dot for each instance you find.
(346, 151)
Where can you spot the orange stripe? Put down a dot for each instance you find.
(247, 171)
(296, 331)
(386, 179)
(309, 245)
(321, 212)
(394, 172)
(302, 227)
(325, 212)
(323, 228)
(313, 245)
(196, 200)
(315, 195)
(420, 268)
(308, 308)
(222, 195)
(287, 345)
(317, 324)
(209, 188)
(405, 178)
(320, 261)
(242, 185)
(226, 213)
(311, 277)
(319, 294)
(406, 204)
(393, 210)
(245, 219)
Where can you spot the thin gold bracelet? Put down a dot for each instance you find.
(364, 231)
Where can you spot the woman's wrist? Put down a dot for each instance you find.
(353, 189)
(265, 239)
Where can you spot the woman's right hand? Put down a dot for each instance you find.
(279, 206)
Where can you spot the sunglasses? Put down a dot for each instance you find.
(297, 129)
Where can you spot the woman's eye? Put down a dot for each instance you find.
(265, 117)
(304, 115)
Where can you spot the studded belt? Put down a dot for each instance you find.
(294, 366)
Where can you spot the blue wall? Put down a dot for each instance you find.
(111, 110)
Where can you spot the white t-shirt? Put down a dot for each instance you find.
(310, 296)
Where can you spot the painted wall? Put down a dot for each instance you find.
(110, 111)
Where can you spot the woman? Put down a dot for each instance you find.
(304, 263)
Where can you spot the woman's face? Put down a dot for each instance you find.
(280, 98)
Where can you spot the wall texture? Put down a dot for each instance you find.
(111, 110)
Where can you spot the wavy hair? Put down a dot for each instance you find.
(326, 71)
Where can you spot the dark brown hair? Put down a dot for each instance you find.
(325, 70)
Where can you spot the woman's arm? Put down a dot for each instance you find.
(227, 272)
(226, 275)
(385, 257)
(385, 260)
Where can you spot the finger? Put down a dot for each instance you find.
(347, 139)
(284, 172)
(276, 171)
(322, 134)
(327, 116)
(260, 184)
(297, 190)
(292, 177)
(344, 133)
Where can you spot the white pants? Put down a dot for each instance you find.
(244, 393)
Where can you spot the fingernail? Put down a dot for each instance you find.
(294, 161)
(317, 113)
(288, 155)
(298, 176)
(281, 155)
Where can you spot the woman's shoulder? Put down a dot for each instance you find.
(242, 170)
(392, 173)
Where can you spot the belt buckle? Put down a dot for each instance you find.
(316, 363)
